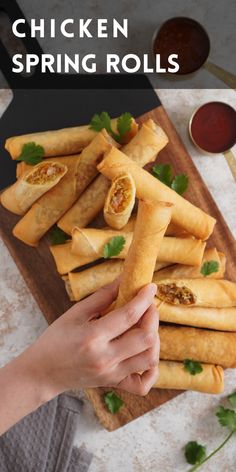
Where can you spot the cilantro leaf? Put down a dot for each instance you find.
(164, 173)
(124, 124)
(209, 267)
(180, 183)
(232, 399)
(57, 236)
(113, 402)
(114, 247)
(31, 153)
(103, 120)
(227, 418)
(194, 453)
(193, 367)
(99, 122)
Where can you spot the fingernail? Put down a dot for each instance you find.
(153, 289)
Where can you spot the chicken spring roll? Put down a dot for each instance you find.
(222, 319)
(172, 375)
(21, 168)
(197, 292)
(51, 206)
(120, 201)
(149, 140)
(86, 282)
(152, 221)
(20, 196)
(191, 218)
(210, 347)
(62, 142)
(91, 242)
(89, 280)
(89, 204)
(66, 261)
(147, 143)
(179, 271)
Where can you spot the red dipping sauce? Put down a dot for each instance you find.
(185, 37)
(213, 127)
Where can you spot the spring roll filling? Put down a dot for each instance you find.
(45, 173)
(170, 293)
(121, 196)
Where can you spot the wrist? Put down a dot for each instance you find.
(35, 376)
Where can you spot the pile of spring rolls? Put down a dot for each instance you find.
(84, 173)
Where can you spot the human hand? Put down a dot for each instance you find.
(80, 350)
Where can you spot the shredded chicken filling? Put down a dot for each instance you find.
(121, 196)
(170, 293)
(46, 173)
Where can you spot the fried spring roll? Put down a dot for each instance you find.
(197, 292)
(172, 375)
(20, 196)
(91, 242)
(119, 202)
(210, 347)
(86, 282)
(189, 217)
(87, 206)
(221, 319)
(149, 140)
(147, 143)
(62, 142)
(152, 221)
(51, 206)
(89, 280)
(66, 261)
(179, 271)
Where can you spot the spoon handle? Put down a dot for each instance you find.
(231, 160)
(227, 77)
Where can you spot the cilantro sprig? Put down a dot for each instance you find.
(31, 153)
(195, 453)
(113, 402)
(57, 236)
(103, 120)
(209, 267)
(114, 247)
(193, 367)
(164, 173)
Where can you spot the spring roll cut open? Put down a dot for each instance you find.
(172, 375)
(51, 206)
(222, 319)
(202, 345)
(62, 142)
(197, 292)
(191, 218)
(152, 221)
(143, 148)
(120, 202)
(86, 282)
(20, 196)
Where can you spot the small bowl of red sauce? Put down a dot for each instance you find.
(185, 37)
(212, 127)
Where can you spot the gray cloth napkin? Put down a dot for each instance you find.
(43, 440)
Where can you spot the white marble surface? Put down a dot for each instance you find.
(156, 440)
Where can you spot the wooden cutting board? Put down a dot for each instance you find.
(38, 269)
